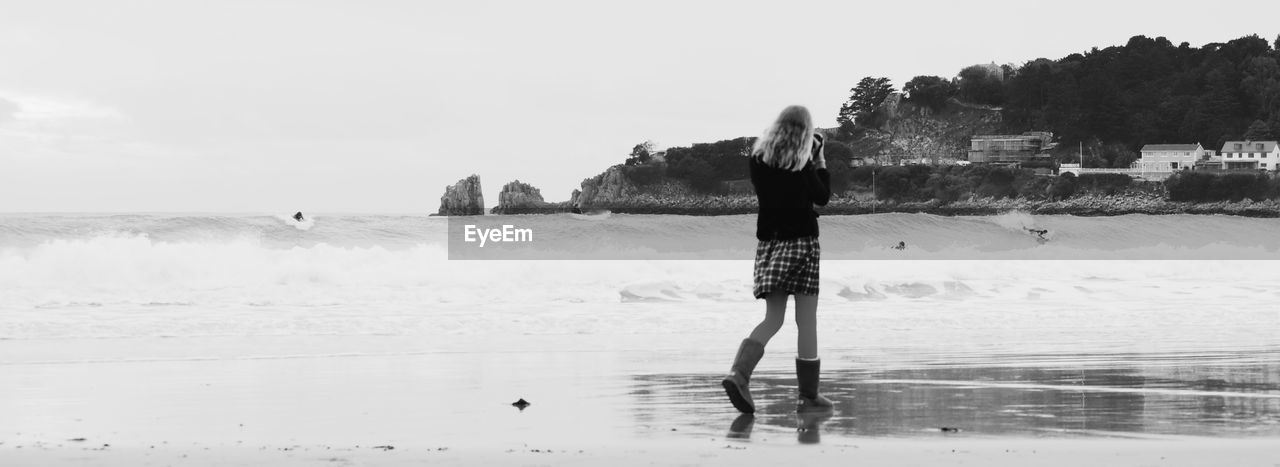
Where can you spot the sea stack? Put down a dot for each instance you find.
(604, 190)
(519, 198)
(463, 198)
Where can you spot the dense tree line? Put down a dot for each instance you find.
(1149, 91)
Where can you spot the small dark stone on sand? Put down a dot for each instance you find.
(521, 404)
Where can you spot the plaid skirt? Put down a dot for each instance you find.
(789, 266)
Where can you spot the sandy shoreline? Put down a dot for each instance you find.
(994, 452)
(273, 400)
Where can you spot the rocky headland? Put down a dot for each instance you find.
(612, 192)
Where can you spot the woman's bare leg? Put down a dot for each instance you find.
(775, 312)
(807, 322)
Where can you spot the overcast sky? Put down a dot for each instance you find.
(375, 106)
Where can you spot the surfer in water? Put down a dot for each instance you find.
(789, 173)
(298, 217)
(1038, 232)
(900, 246)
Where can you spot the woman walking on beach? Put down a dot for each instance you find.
(789, 173)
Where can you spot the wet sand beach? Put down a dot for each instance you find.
(369, 400)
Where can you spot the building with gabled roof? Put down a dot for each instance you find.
(1259, 155)
(1170, 157)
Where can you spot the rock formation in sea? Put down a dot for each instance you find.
(522, 198)
(463, 198)
(608, 189)
(517, 193)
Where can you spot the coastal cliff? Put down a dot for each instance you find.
(919, 132)
(463, 198)
(603, 191)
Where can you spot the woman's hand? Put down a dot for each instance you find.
(819, 153)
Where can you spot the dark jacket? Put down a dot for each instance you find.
(787, 199)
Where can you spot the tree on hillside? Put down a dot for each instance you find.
(929, 91)
(1260, 85)
(1274, 123)
(1118, 156)
(980, 84)
(864, 100)
(1259, 131)
(641, 153)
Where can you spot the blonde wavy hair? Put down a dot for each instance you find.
(788, 143)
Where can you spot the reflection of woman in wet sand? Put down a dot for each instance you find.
(789, 173)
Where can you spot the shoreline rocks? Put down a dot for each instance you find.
(1087, 206)
(517, 197)
(463, 198)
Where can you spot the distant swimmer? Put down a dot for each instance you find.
(298, 217)
(900, 246)
(1039, 232)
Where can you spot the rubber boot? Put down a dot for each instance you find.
(735, 384)
(810, 401)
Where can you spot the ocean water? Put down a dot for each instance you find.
(144, 261)
(147, 270)
(1017, 337)
(137, 276)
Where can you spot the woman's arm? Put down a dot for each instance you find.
(818, 184)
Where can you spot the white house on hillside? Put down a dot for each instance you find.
(1262, 155)
(1169, 157)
